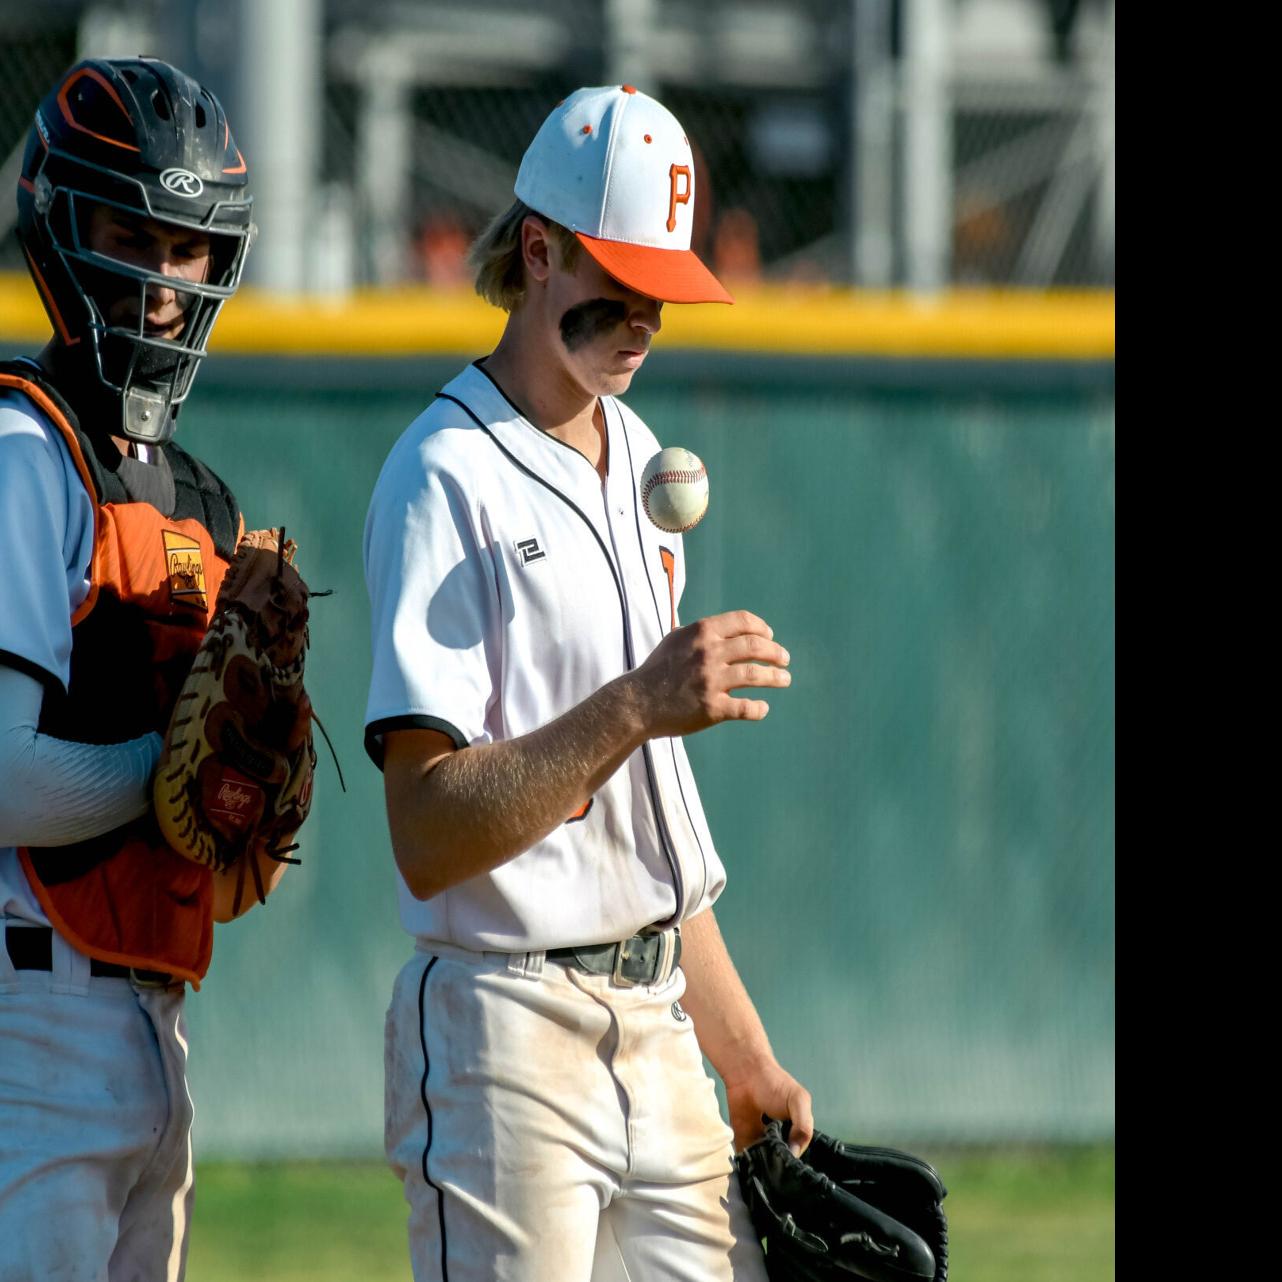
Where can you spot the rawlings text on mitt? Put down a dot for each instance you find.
(235, 777)
(844, 1211)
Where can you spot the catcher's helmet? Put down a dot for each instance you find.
(139, 137)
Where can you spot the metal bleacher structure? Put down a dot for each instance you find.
(916, 143)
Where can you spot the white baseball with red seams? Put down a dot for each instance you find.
(674, 489)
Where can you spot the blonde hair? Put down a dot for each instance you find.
(498, 267)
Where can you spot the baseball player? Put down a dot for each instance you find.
(547, 1106)
(134, 217)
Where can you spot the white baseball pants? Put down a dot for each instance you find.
(550, 1126)
(95, 1126)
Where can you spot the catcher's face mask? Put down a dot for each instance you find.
(134, 213)
(152, 289)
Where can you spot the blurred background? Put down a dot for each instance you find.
(908, 420)
(869, 142)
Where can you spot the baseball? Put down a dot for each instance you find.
(674, 490)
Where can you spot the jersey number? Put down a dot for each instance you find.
(670, 569)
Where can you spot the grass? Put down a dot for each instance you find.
(1029, 1215)
(298, 1222)
(1037, 1215)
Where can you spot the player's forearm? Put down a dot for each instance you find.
(54, 792)
(729, 1030)
(480, 807)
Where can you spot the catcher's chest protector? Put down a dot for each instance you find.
(125, 897)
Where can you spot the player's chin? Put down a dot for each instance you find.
(617, 380)
(166, 329)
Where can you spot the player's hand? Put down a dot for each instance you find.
(686, 682)
(771, 1091)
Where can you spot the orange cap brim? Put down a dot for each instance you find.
(670, 275)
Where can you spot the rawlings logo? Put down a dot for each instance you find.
(235, 801)
(185, 570)
(182, 182)
(233, 798)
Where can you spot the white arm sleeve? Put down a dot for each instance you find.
(54, 792)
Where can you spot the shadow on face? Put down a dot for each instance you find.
(586, 321)
(178, 253)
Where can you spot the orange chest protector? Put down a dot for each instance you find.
(164, 535)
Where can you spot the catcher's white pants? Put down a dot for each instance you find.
(95, 1126)
(550, 1126)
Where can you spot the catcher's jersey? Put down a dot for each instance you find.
(507, 584)
(46, 543)
(162, 536)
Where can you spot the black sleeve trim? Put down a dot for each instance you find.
(19, 664)
(373, 731)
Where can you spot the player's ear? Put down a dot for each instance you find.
(536, 249)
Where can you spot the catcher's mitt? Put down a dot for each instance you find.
(844, 1211)
(235, 776)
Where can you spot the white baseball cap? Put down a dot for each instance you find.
(615, 167)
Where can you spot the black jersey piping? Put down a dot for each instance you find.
(665, 838)
(526, 419)
(427, 1109)
(570, 503)
(407, 721)
(658, 614)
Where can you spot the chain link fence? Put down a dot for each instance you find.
(35, 49)
(424, 110)
(1033, 191)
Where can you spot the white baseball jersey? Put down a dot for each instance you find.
(507, 584)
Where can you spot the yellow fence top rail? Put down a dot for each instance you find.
(967, 324)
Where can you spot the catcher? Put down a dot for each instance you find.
(141, 655)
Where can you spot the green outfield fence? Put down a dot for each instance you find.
(919, 838)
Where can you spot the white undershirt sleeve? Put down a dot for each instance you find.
(54, 792)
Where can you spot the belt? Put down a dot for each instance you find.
(31, 948)
(644, 959)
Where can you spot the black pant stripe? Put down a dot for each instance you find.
(427, 1109)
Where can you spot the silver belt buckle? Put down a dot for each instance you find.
(617, 974)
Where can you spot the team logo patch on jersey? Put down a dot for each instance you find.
(185, 570)
(529, 550)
